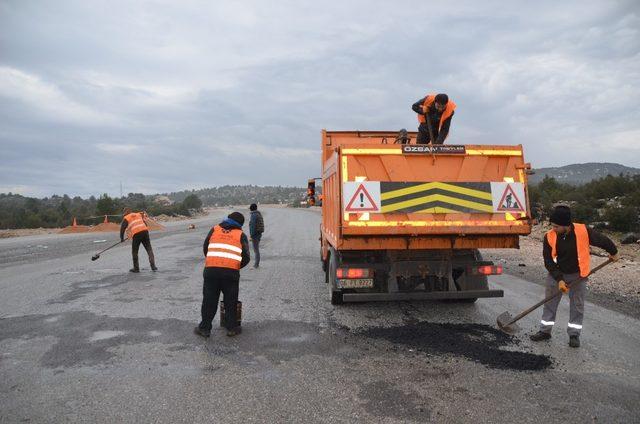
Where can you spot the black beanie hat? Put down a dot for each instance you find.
(238, 217)
(441, 99)
(561, 215)
(253, 207)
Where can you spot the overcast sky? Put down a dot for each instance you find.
(172, 95)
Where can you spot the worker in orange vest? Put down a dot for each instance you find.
(567, 258)
(439, 110)
(226, 251)
(134, 223)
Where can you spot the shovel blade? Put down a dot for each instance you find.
(504, 323)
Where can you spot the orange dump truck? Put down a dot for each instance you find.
(405, 221)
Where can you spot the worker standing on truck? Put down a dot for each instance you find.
(226, 250)
(138, 231)
(437, 110)
(256, 228)
(567, 258)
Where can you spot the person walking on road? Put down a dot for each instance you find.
(226, 251)
(256, 228)
(138, 231)
(567, 258)
(439, 110)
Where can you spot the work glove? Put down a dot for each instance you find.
(614, 258)
(562, 286)
(425, 109)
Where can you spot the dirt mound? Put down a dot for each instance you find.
(77, 229)
(154, 226)
(475, 342)
(105, 227)
(162, 218)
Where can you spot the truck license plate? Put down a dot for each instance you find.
(356, 283)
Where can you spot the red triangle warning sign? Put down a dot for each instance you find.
(509, 201)
(361, 201)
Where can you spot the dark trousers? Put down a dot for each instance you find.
(255, 241)
(142, 238)
(213, 285)
(423, 135)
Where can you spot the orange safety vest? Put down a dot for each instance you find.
(448, 110)
(225, 248)
(582, 245)
(136, 224)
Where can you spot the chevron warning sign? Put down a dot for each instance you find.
(436, 197)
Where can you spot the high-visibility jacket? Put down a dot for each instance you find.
(582, 246)
(446, 113)
(225, 248)
(135, 224)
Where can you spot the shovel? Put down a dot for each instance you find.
(507, 323)
(97, 255)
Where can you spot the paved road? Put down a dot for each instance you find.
(84, 341)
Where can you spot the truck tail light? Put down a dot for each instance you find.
(485, 270)
(489, 269)
(354, 273)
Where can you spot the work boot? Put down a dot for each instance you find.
(539, 336)
(136, 266)
(574, 341)
(154, 267)
(234, 332)
(200, 332)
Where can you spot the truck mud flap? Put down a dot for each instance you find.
(372, 297)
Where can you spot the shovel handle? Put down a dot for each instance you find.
(112, 246)
(553, 296)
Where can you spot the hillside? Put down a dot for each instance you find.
(242, 194)
(581, 173)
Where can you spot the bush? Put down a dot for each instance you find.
(623, 218)
(192, 201)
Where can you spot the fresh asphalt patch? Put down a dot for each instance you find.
(476, 342)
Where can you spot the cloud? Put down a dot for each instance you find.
(174, 96)
(47, 100)
(117, 148)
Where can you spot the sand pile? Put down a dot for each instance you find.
(154, 226)
(71, 229)
(162, 218)
(105, 227)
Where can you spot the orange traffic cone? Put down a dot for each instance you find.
(105, 220)
(75, 224)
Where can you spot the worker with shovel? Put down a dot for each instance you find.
(434, 115)
(567, 258)
(138, 231)
(226, 251)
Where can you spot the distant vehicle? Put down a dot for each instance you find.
(405, 221)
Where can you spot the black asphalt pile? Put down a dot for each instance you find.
(479, 343)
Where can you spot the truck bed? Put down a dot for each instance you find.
(381, 195)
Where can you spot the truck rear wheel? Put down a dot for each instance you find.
(332, 266)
